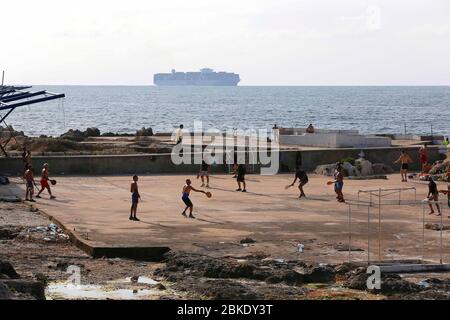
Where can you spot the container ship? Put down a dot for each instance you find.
(206, 77)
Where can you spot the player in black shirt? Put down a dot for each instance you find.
(240, 178)
(433, 195)
(302, 177)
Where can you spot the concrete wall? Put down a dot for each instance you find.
(335, 140)
(310, 159)
(162, 164)
(296, 131)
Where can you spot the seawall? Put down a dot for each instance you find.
(162, 163)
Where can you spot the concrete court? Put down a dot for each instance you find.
(97, 209)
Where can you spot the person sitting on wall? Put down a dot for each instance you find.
(310, 128)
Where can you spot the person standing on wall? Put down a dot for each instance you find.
(179, 135)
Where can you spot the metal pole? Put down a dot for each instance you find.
(358, 197)
(379, 225)
(349, 232)
(423, 232)
(399, 197)
(3, 77)
(368, 234)
(442, 226)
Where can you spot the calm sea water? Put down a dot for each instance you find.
(127, 108)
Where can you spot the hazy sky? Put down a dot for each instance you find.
(268, 42)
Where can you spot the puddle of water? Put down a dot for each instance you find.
(67, 290)
(143, 280)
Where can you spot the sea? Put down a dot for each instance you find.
(124, 109)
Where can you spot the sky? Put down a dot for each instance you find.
(268, 42)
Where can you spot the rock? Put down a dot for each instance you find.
(35, 289)
(5, 293)
(225, 290)
(289, 277)
(390, 283)
(345, 247)
(9, 232)
(345, 268)
(134, 279)
(92, 132)
(144, 132)
(439, 167)
(247, 240)
(160, 286)
(436, 226)
(357, 281)
(6, 269)
(4, 180)
(325, 169)
(6, 132)
(320, 274)
(75, 135)
(350, 170)
(381, 168)
(364, 166)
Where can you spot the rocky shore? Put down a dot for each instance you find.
(89, 141)
(35, 255)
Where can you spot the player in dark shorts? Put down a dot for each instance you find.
(204, 172)
(240, 177)
(29, 179)
(405, 160)
(302, 177)
(185, 197)
(339, 183)
(135, 196)
(433, 195)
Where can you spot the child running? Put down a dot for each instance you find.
(185, 197)
(29, 179)
(240, 178)
(205, 169)
(405, 160)
(339, 183)
(44, 182)
(300, 174)
(433, 195)
(135, 196)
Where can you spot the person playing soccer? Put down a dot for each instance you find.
(240, 177)
(300, 174)
(185, 197)
(135, 196)
(405, 160)
(339, 182)
(433, 195)
(205, 169)
(44, 182)
(423, 156)
(29, 179)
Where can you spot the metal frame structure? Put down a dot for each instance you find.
(12, 97)
(379, 194)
